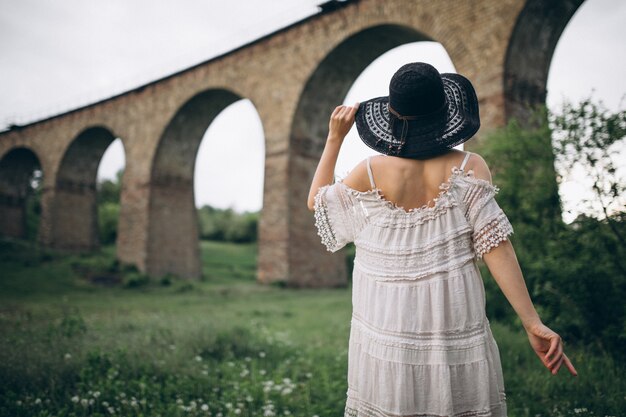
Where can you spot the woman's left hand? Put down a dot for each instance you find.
(341, 120)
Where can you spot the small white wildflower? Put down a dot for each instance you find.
(261, 354)
(38, 401)
(75, 399)
(96, 394)
(67, 357)
(204, 407)
(309, 375)
(244, 373)
(287, 412)
(198, 358)
(91, 401)
(262, 372)
(105, 404)
(286, 391)
(111, 410)
(205, 372)
(133, 403)
(84, 402)
(247, 358)
(179, 401)
(172, 347)
(229, 405)
(231, 364)
(249, 398)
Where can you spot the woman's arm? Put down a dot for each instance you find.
(340, 123)
(547, 344)
(504, 266)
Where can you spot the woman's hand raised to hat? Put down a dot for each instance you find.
(341, 121)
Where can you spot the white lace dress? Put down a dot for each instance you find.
(420, 342)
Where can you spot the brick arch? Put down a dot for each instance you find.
(328, 85)
(17, 166)
(74, 211)
(172, 246)
(529, 54)
(325, 88)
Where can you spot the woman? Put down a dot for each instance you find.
(421, 215)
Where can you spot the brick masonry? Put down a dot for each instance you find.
(294, 77)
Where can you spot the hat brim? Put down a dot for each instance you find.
(425, 137)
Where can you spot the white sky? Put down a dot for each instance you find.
(59, 55)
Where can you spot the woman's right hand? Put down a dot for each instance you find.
(341, 120)
(549, 347)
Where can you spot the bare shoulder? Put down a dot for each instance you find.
(358, 178)
(477, 164)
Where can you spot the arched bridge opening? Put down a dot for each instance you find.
(173, 235)
(20, 177)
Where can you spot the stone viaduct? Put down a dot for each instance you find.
(295, 77)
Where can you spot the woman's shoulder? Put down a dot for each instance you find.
(478, 168)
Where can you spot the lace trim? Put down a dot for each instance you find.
(443, 252)
(369, 410)
(353, 412)
(448, 258)
(449, 235)
(491, 235)
(408, 338)
(322, 220)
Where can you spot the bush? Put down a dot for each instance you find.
(108, 215)
(227, 225)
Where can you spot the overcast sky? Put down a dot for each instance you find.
(58, 55)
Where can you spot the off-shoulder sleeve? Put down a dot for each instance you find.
(335, 216)
(490, 224)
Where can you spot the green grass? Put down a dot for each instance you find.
(220, 346)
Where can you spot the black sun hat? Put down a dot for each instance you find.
(424, 115)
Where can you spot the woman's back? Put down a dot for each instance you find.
(414, 183)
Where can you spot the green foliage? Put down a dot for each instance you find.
(227, 225)
(108, 215)
(575, 272)
(110, 191)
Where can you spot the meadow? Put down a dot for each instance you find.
(84, 336)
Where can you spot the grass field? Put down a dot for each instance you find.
(82, 336)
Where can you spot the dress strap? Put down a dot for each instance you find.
(467, 155)
(369, 172)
